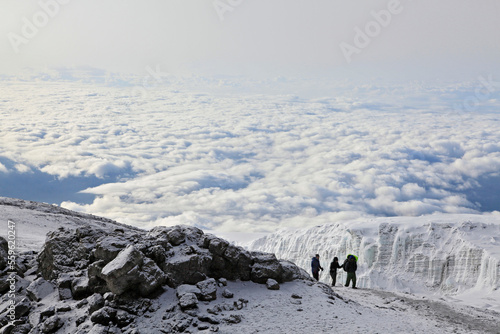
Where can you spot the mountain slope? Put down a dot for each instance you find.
(32, 221)
(299, 306)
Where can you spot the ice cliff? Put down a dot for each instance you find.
(451, 255)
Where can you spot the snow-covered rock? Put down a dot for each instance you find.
(40, 289)
(208, 289)
(272, 284)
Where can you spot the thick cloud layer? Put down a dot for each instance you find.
(256, 162)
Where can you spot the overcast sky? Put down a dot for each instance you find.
(440, 39)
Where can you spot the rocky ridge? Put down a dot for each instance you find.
(92, 280)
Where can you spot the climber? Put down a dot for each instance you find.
(350, 266)
(334, 265)
(316, 267)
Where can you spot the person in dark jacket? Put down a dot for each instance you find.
(316, 267)
(334, 265)
(350, 266)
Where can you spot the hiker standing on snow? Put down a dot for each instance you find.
(350, 266)
(316, 267)
(334, 265)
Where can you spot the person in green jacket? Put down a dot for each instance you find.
(350, 266)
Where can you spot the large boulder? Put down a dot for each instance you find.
(66, 250)
(80, 287)
(150, 277)
(39, 289)
(265, 266)
(131, 269)
(189, 265)
(240, 261)
(108, 247)
(292, 272)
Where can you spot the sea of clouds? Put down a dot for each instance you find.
(255, 160)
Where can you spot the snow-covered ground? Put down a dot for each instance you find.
(317, 310)
(456, 257)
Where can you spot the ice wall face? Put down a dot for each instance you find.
(448, 254)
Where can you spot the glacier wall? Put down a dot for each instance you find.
(444, 254)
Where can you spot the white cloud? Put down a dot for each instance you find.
(253, 162)
(3, 169)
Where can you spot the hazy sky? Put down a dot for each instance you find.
(444, 38)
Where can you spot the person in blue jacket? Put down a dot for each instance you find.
(316, 267)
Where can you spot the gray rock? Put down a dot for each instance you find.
(188, 301)
(208, 289)
(100, 329)
(211, 319)
(180, 322)
(240, 261)
(51, 324)
(227, 294)
(108, 247)
(21, 329)
(22, 308)
(123, 318)
(39, 289)
(95, 302)
(95, 268)
(64, 280)
(292, 272)
(80, 287)
(187, 288)
(216, 309)
(218, 246)
(122, 273)
(272, 284)
(151, 277)
(80, 320)
(176, 236)
(63, 308)
(233, 319)
(64, 250)
(34, 318)
(48, 312)
(103, 316)
(109, 296)
(188, 267)
(132, 270)
(265, 266)
(65, 294)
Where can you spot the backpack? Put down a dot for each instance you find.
(344, 265)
